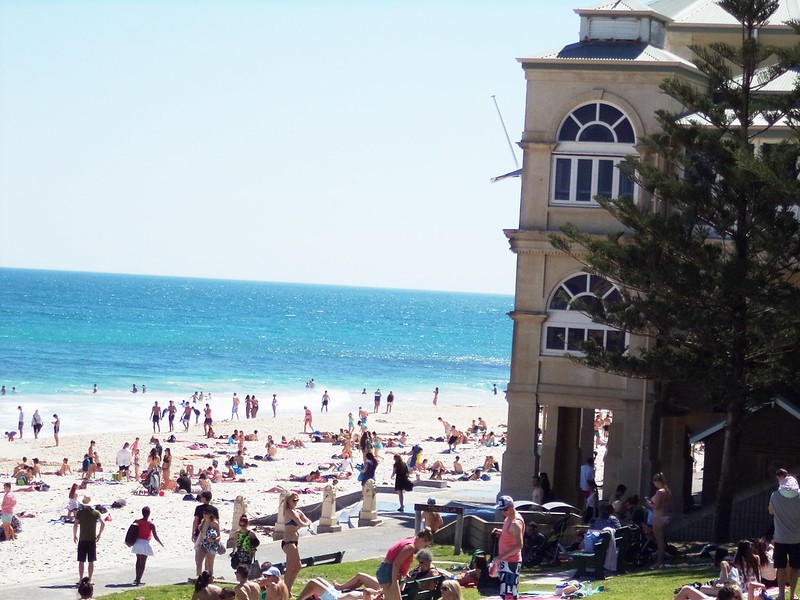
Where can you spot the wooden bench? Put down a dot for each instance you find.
(429, 588)
(592, 564)
(321, 559)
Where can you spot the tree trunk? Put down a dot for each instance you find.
(723, 509)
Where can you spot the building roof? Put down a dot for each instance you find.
(708, 12)
(619, 7)
(624, 51)
(791, 406)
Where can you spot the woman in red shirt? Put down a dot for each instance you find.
(398, 559)
(141, 548)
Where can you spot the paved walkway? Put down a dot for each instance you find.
(358, 544)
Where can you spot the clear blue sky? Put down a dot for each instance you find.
(324, 142)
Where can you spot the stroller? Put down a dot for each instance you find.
(152, 483)
(642, 547)
(540, 550)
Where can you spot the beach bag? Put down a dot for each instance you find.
(132, 535)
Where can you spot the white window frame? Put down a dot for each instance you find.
(574, 320)
(573, 185)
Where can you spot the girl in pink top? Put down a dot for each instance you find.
(398, 559)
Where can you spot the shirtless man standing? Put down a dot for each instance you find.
(207, 421)
(155, 415)
(235, 407)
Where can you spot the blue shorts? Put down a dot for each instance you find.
(384, 573)
(7, 518)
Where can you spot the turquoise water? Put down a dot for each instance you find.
(63, 332)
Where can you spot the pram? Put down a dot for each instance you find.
(540, 550)
(640, 552)
(152, 483)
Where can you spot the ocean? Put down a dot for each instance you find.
(63, 332)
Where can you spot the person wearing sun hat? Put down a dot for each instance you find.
(508, 561)
(87, 519)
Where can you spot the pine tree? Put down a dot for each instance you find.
(710, 269)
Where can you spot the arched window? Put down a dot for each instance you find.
(592, 140)
(568, 327)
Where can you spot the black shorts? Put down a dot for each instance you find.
(784, 552)
(87, 551)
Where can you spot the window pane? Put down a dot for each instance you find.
(569, 130)
(563, 176)
(605, 178)
(625, 133)
(614, 297)
(560, 300)
(575, 339)
(586, 114)
(625, 186)
(577, 285)
(585, 303)
(597, 133)
(615, 341)
(583, 193)
(596, 336)
(555, 338)
(599, 286)
(609, 114)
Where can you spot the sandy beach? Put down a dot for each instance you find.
(45, 542)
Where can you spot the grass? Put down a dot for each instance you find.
(655, 585)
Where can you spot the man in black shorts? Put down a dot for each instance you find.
(87, 518)
(784, 505)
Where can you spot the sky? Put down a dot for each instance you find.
(339, 142)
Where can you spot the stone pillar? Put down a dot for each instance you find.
(327, 522)
(239, 509)
(368, 517)
(568, 457)
(280, 523)
(519, 459)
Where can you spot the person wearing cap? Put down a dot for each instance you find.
(784, 505)
(509, 548)
(431, 519)
(274, 586)
(87, 519)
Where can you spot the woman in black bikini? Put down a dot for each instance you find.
(294, 519)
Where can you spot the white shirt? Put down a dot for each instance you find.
(124, 457)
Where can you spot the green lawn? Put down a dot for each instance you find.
(644, 585)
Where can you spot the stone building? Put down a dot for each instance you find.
(588, 105)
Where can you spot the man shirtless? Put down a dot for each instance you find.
(246, 590)
(155, 415)
(273, 584)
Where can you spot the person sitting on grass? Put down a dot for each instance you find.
(478, 571)
(205, 590)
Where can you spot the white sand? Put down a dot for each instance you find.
(42, 545)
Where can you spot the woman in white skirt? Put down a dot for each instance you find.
(141, 548)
